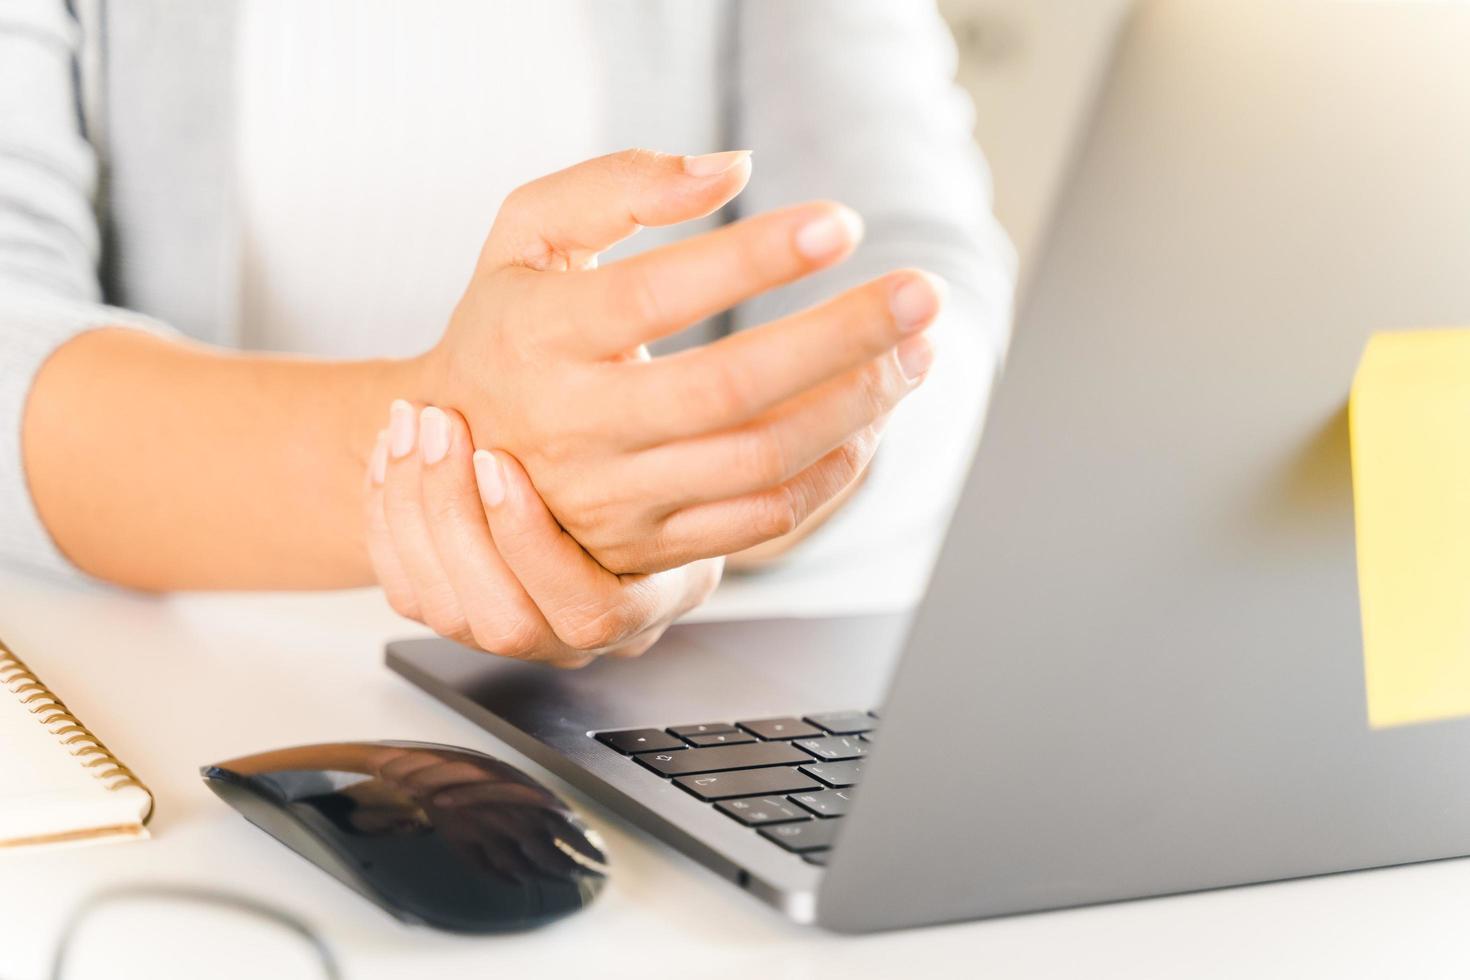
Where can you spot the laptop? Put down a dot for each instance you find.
(1138, 668)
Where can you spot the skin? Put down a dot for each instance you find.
(463, 543)
(651, 464)
(770, 553)
(636, 473)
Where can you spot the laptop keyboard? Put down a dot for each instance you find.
(788, 779)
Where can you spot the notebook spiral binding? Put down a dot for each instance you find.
(76, 737)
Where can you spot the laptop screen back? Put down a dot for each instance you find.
(1139, 669)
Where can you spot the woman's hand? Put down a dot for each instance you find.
(653, 463)
(462, 542)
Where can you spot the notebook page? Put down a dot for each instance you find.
(47, 792)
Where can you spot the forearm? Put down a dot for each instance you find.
(162, 465)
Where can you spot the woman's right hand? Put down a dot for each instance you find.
(653, 463)
(461, 542)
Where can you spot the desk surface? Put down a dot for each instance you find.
(172, 683)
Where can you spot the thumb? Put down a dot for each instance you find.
(563, 220)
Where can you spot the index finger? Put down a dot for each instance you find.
(563, 220)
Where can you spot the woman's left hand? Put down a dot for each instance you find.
(462, 542)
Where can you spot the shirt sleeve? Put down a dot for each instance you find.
(49, 242)
(854, 100)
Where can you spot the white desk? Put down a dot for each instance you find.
(173, 683)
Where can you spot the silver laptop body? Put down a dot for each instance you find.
(1138, 668)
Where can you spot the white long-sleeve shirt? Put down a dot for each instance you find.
(318, 176)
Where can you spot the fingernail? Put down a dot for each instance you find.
(916, 301)
(378, 461)
(915, 357)
(487, 472)
(400, 428)
(714, 164)
(433, 435)
(824, 237)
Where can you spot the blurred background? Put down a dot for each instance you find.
(1032, 67)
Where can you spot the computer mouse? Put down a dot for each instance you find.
(436, 835)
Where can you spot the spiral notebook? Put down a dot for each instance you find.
(58, 783)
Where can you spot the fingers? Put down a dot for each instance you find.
(731, 381)
(565, 219)
(435, 604)
(786, 441)
(397, 586)
(498, 614)
(662, 291)
(728, 526)
(429, 516)
(574, 593)
(435, 565)
(589, 607)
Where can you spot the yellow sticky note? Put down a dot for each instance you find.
(1410, 420)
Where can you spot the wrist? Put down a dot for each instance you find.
(418, 380)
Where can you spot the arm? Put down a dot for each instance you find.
(881, 126)
(48, 240)
(159, 464)
(162, 466)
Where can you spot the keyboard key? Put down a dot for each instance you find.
(708, 728)
(834, 747)
(757, 810)
(825, 802)
(814, 835)
(845, 722)
(838, 774)
(719, 738)
(868, 736)
(640, 740)
(747, 782)
(778, 728)
(816, 857)
(723, 757)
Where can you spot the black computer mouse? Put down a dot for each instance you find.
(436, 835)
